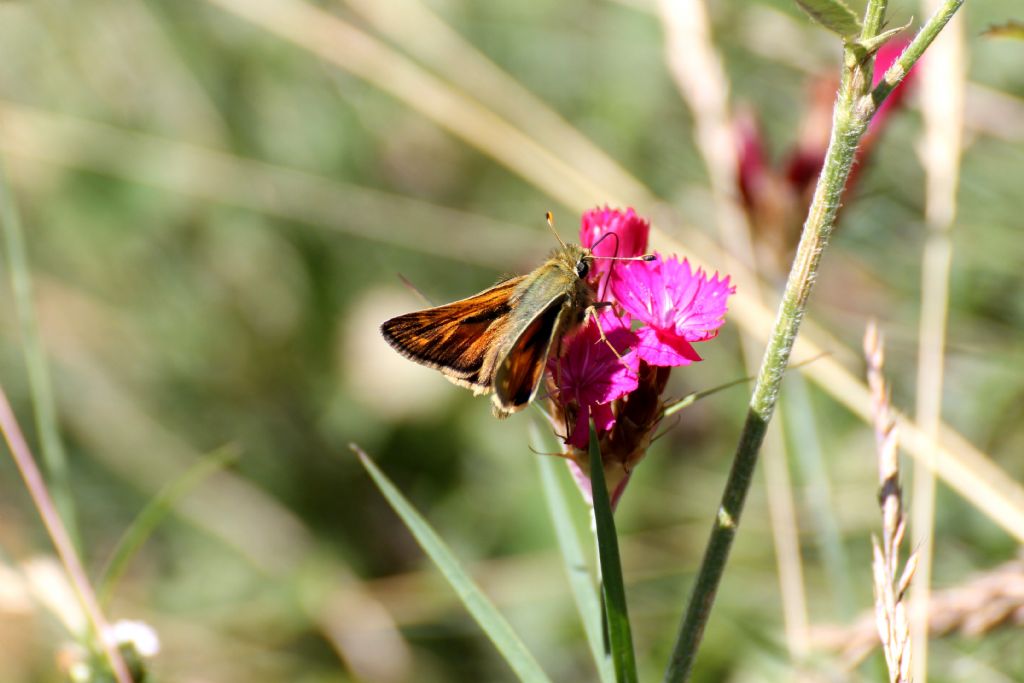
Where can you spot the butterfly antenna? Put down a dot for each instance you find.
(605, 236)
(645, 257)
(551, 224)
(615, 253)
(614, 257)
(415, 290)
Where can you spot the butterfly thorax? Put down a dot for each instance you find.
(572, 264)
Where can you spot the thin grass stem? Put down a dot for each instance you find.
(40, 385)
(346, 46)
(61, 540)
(942, 83)
(153, 513)
(417, 28)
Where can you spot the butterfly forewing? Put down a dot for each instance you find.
(455, 338)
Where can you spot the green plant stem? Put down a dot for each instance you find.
(153, 513)
(901, 67)
(874, 17)
(43, 405)
(855, 105)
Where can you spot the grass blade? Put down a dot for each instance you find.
(40, 388)
(480, 607)
(620, 634)
(154, 513)
(571, 544)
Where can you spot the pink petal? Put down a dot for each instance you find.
(671, 297)
(589, 375)
(588, 371)
(630, 230)
(580, 435)
(582, 481)
(603, 418)
(664, 349)
(585, 486)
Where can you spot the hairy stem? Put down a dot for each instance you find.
(855, 104)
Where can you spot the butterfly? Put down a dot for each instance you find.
(498, 341)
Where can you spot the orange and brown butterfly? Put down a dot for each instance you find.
(499, 340)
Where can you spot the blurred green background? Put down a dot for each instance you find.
(216, 217)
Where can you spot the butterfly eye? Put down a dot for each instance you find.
(582, 268)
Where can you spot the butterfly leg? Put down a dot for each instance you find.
(567, 413)
(592, 312)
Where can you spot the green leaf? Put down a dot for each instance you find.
(833, 15)
(1011, 29)
(571, 543)
(620, 634)
(480, 607)
(154, 513)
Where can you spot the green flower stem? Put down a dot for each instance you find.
(874, 18)
(901, 67)
(855, 105)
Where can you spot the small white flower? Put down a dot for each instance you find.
(139, 634)
(80, 672)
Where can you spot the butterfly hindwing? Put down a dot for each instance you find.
(520, 370)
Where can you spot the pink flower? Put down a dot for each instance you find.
(677, 305)
(630, 236)
(589, 376)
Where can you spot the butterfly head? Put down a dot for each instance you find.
(575, 261)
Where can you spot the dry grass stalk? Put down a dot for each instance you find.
(891, 584)
(980, 605)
